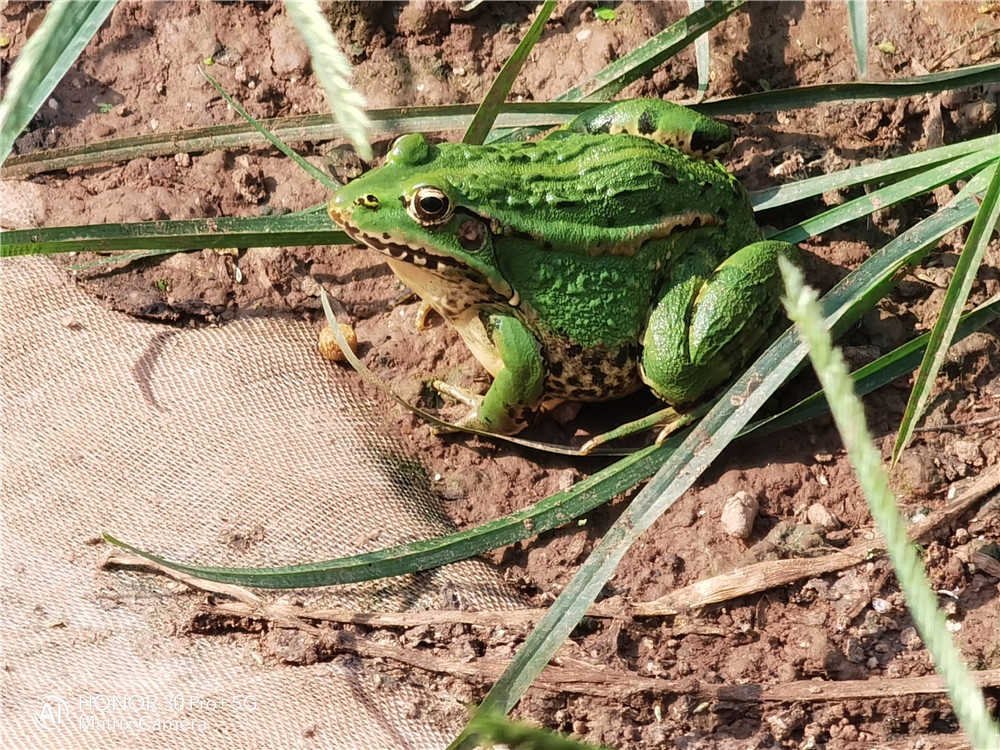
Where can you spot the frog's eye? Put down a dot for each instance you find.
(430, 206)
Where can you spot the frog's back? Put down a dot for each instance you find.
(591, 193)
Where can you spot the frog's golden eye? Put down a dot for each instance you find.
(430, 206)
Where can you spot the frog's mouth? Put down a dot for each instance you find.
(406, 253)
(432, 262)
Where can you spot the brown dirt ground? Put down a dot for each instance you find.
(848, 626)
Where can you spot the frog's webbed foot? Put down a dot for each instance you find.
(462, 396)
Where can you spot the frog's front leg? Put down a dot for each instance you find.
(517, 387)
(708, 325)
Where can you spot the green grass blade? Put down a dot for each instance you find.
(887, 368)
(908, 249)
(686, 463)
(301, 228)
(304, 228)
(392, 120)
(703, 60)
(682, 469)
(967, 699)
(545, 515)
(809, 96)
(775, 197)
(486, 115)
(641, 61)
(491, 730)
(890, 195)
(321, 177)
(333, 71)
(951, 310)
(523, 115)
(47, 55)
(857, 15)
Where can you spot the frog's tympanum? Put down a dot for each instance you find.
(615, 251)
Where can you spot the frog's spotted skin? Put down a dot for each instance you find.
(576, 373)
(579, 266)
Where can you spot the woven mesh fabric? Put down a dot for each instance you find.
(234, 446)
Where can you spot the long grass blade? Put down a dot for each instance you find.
(486, 115)
(809, 96)
(887, 368)
(702, 58)
(944, 328)
(775, 197)
(967, 699)
(528, 117)
(305, 228)
(314, 172)
(67, 28)
(545, 515)
(393, 120)
(920, 183)
(857, 17)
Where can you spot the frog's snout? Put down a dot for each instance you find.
(342, 206)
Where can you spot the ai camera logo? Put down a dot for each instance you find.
(53, 712)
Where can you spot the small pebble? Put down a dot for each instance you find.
(738, 515)
(329, 347)
(881, 606)
(819, 515)
(968, 452)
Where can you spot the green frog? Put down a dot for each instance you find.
(613, 252)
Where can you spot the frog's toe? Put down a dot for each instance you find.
(424, 311)
(458, 393)
(445, 429)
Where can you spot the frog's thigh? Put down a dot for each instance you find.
(518, 386)
(702, 332)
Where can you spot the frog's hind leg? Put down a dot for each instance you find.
(707, 326)
(671, 124)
